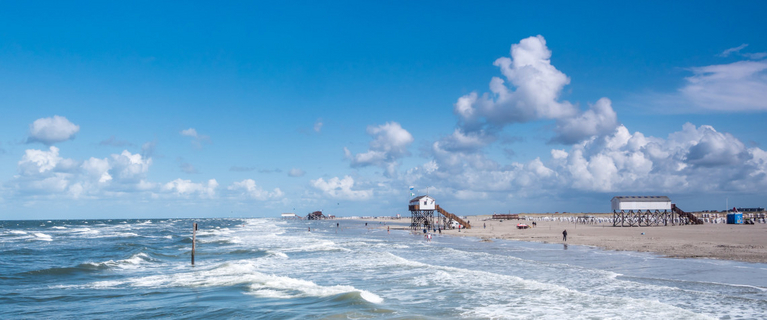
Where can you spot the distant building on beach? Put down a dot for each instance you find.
(290, 216)
(641, 203)
(639, 211)
(316, 215)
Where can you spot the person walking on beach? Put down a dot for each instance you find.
(564, 235)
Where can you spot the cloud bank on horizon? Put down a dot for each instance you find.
(595, 152)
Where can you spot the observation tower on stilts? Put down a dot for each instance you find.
(422, 215)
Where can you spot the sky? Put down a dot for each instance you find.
(230, 109)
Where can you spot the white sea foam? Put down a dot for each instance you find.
(241, 272)
(116, 235)
(42, 237)
(58, 228)
(18, 232)
(277, 253)
(487, 292)
(130, 263)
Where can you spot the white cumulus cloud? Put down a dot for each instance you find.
(390, 143)
(531, 90)
(249, 189)
(600, 119)
(602, 154)
(187, 187)
(52, 130)
(341, 188)
(47, 173)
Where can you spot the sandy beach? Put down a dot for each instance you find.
(716, 241)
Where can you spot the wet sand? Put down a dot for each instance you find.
(716, 241)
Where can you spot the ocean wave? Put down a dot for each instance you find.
(314, 245)
(243, 273)
(233, 240)
(117, 235)
(60, 271)
(42, 237)
(289, 288)
(495, 291)
(134, 260)
(129, 263)
(277, 254)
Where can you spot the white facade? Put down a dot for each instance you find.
(424, 203)
(289, 215)
(636, 203)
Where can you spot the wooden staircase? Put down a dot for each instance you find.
(691, 217)
(449, 215)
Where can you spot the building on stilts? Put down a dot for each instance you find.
(426, 213)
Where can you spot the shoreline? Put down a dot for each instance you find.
(745, 243)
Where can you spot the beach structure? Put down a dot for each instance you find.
(757, 209)
(288, 215)
(646, 211)
(316, 215)
(422, 209)
(735, 218)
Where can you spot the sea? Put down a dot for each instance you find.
(265, 268)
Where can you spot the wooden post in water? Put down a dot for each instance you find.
(194, 239)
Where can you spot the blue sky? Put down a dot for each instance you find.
(206, 110)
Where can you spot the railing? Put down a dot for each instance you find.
(506, 216)
(690, 216)
(454, 217)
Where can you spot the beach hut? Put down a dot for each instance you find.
(422, 203)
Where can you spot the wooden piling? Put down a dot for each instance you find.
(194, 239)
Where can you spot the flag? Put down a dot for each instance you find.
(412, 194)
(411, 188)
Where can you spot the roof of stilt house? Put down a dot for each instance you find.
(421, 197)
(641, 198)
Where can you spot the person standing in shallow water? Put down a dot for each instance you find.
(564, 235)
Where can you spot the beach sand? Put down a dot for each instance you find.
(717, 241)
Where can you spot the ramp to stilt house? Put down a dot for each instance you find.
(454, 217)
(422, 210)
(691, 218)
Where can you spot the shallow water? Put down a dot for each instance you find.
(267, 268)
